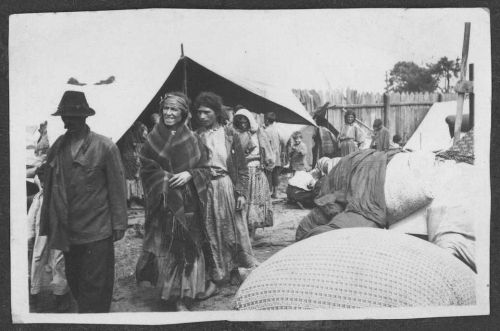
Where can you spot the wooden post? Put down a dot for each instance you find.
(184, 83)
(184, 71)
(461, 94)
(387, 108)
(471, 97)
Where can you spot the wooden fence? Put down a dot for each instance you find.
(401, 112)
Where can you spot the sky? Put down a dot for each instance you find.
(320, 49)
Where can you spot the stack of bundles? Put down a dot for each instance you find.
(351, 195)
(358, 268)
(453, 214)
(461, 151)
(408, 184)
(371, 189)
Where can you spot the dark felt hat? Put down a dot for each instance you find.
(74, 103)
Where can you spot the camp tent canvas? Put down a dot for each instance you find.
(193, 77)
(119, 104)
(433, 133)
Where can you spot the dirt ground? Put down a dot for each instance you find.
(129, 297)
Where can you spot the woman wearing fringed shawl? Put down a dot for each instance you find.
(175, 180)
(259, 157)
(226, 229)
(350, 136)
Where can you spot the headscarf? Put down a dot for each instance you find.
(246, 113)
(180, 101)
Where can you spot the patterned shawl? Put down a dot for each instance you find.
(164, 154)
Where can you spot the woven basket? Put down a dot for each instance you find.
(357, 268)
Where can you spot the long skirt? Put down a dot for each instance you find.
(347, 147)
(175, 283)
(50, 261)
(134, 189)
(259, 208)
(228, 238)
(161, 267)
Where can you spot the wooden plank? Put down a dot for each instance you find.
(463, 72)
(471, 96)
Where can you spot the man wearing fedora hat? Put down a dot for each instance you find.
(85, 208)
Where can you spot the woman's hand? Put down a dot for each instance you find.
(240, 203)
(179, 179)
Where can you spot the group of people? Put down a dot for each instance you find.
(304, 186)
(205, 194)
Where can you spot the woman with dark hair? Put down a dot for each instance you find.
(351, 135)
(228, 239)
(259, 157)
(175, 179)
(130, 146)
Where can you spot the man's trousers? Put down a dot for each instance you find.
(90, 272)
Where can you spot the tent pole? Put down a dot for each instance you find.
(460, 87)
(184, 70)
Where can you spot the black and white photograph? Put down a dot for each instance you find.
(186, 165)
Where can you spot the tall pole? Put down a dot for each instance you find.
(185, 84)
(471, 97)
(461, 91)
(184, 71)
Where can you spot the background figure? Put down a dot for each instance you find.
(396, 142)
(304, 187)
(229, 244)
(155, 119)
(42, 145)
(325, 136)
(259, 155)
(381, 137)
(85, 207)
(297, 152)
(175, 176)
(43, 257)
(351, 135)
(274, 139)
(130, 146)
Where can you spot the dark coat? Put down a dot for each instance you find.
(99, 203)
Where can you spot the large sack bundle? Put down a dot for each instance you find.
(357, 268)
(408, 184)
(454, 213)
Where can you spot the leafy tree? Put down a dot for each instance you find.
(445, 69)
(409, 77)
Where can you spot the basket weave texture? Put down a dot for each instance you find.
(358, 268)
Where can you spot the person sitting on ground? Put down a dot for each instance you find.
(396, 142)
(380, 137)
(297, 152)
(304, 186)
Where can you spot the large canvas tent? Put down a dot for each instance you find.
(433, 133)
(119, 104)
(192, 78)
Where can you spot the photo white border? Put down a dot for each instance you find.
(19, 265)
